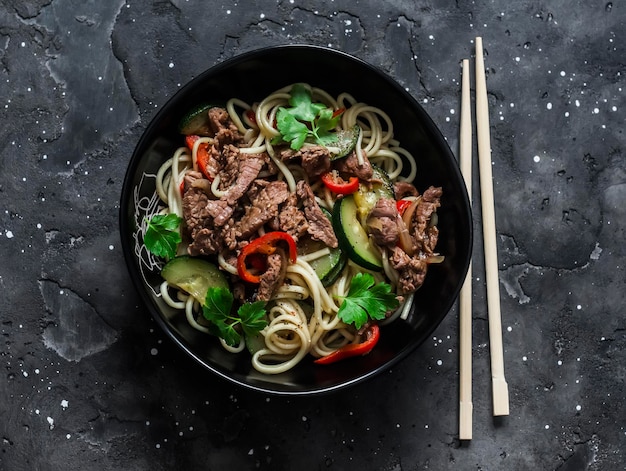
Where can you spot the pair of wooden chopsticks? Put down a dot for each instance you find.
(500, 389)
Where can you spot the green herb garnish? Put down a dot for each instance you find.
(366, 299)
(217, 310)
(162, 236)
(306, 119)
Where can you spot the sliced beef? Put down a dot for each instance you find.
(411, 270)
(315, 160)
(382, 222)
(404, 189)
(190, 178)
(426, 235)
(249, 169)
(222, 126)
(349, 165)
(273, 277)
(291, 219)
(195, 213)
(265, 198)
(320, 227)
(222, 209)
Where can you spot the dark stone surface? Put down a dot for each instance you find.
(88, 380)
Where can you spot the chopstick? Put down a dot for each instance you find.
(465, 299)
(500, 389)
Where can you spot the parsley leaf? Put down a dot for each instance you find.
(162, 235)
(306, 120)
(217, 308)
(366, 299)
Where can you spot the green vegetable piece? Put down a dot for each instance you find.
(306, 120)
(217, 310)
(366, 299)
(162, 235)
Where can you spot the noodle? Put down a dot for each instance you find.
(302, 313)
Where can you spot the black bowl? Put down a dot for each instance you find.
(251, 76)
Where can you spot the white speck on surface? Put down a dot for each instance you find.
(579, 307)
(547, 427)
(439, 362)
(171, 65)
(64, 404)
(153, 351)
(524, 358)
(50, 422)
(549, 106)
(509, 329)
(9, 234)
(596, 111)
(595, 254)
(536, 158)
(578, 407)
(251, 451)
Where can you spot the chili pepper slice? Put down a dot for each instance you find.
(264, 245)
(354, 349)
(338, 185)
(202, 155)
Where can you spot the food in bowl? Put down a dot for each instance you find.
(290, 227)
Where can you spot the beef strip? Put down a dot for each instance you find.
(411, 270)
(349, 166)
(320, 227)
(273, 277)
(265, 198)
(291, 219)
(425, 234)
(225, 131)
(404, 189)
(315, 160)
(222, 210)
(382, 222)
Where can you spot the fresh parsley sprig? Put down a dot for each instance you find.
(162, 235)
(366, 299)
(306, 120)
(217, 310)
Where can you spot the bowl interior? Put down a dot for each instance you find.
(251, 76)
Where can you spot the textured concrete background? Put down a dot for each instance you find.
(89, 381)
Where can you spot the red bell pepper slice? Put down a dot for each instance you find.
(251, 115)
(262, 246)
(338, 185)
(338, 112)
(401, 205)
(354, 349)
(202, 155)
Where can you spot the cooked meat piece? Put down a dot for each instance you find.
(205, 242)
(320, 227)
(222, 210)
(190, 178)
(273, 277)
(290, 219)
(425, 234)
(382, 222)
(264, 203)
(404, 189)
(349, 165)
(195, 212)
(315, 160)
(222, 126)
(412, 270)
